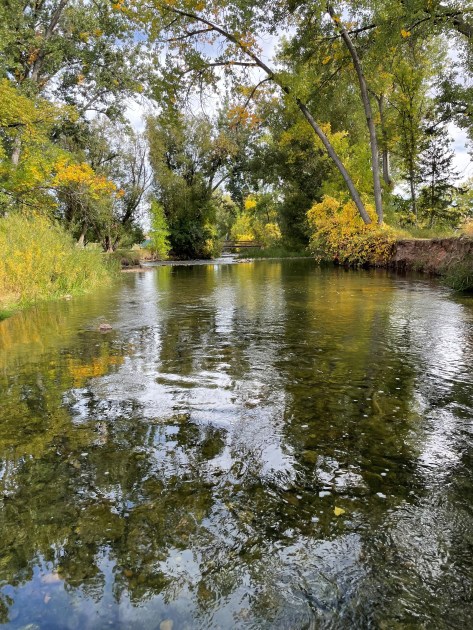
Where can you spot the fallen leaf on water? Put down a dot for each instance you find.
(338, 511)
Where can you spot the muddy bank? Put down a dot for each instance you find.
(430, 255)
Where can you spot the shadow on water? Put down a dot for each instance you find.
(183, 470)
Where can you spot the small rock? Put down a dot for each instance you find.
(105, 327)
(167, 624)
(47, 598)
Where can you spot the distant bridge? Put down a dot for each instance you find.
(237, 245)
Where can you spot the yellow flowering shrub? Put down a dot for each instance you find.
(339, 234)
(271, 234)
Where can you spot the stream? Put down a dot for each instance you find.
(265, 445)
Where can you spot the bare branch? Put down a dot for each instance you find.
(253, 91)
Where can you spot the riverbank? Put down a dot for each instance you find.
(432, 255)
(41, 262)
(450, 258)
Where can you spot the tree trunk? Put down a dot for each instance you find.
(368, 113)
(413, 190)
(384, 149)
(387, 169)
(15, 156)
(338, 163)
(81, 240)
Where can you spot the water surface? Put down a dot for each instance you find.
(262, 445)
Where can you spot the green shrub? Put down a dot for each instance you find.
(40, 261)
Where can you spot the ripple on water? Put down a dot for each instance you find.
(268, 445)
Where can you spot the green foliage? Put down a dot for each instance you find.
(187, 156)
(438, 177)
(40, 261)
(159, 233)
(70, 49)
(459, 275)
(258, 221)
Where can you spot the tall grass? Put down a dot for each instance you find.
(40, 261)
(459, 275)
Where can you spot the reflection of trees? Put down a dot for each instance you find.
(382, 415)
(231, 510)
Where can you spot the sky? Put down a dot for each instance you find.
(463, 162)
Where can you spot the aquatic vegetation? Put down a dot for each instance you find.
(459, 275)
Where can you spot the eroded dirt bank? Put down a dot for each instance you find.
(430, 255)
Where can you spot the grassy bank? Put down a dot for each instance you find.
(459, 275)
(39, 261)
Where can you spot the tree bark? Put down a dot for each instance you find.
(413, 190)
(38, 63)
(368, 112)
(81, 239)
(384, 149)
(15, 156)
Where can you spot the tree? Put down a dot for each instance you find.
(439, 176)
(83, 194)
(367, 107)
(229, 33)
(159, 233)
(83, 53)
(187, 154)
(114, 151)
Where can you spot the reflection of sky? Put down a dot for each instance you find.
(439, 332)
(250, 409)
(437, 328)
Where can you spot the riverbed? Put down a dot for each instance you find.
(260, 445)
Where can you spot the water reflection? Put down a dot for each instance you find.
(184, 468)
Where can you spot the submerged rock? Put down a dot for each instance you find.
(104, 327)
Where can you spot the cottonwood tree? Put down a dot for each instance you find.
(191, 157)
(120, 155)
(197, 38)
(76, 52)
